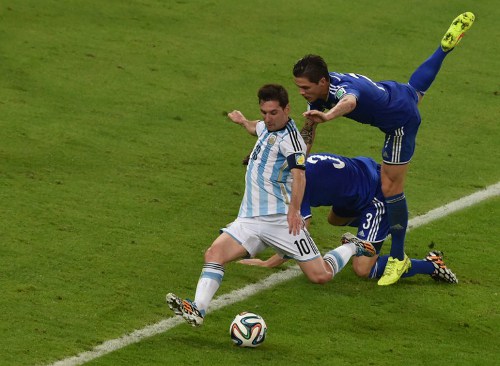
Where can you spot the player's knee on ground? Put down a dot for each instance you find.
(319, 279)
(316, 270)
(362, 266)
(362, 272)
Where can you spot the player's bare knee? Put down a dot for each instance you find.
(213, 254)
(319, 278)
(362, 272)
(362, 266)
(331, 220)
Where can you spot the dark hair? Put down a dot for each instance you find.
(275, 92)
(312, 67)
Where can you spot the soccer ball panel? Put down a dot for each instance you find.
(248, 330)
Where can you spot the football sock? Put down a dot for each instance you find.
(339, 257)
(397, 213)
(418, 266)
(208, 284)
(424, 75)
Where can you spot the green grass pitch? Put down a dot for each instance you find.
(118, 167)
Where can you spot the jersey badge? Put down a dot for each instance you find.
(300, 159)
(271, 140)
(340, 93)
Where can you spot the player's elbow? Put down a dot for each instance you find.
(347, 104)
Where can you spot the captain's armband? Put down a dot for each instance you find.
(296, 161)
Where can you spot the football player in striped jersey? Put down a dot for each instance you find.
(269, 214)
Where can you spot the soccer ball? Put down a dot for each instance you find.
(248, 330)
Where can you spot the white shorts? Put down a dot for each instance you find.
(257, 233)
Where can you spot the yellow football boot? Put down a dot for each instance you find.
(394, 269)
(458, 27)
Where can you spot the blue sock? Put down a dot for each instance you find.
(378, 268)
(424, 75)
(397, 213)
(418, 266)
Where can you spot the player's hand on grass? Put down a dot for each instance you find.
(253, 262)
(271, 262)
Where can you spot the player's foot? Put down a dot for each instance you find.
(441, 272)
(186, 309)
(458, 27)
(363, 248)
(394, 269)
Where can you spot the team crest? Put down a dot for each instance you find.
(271, 140)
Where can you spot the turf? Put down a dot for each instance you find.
(118, 168)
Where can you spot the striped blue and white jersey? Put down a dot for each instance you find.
(268, 179)
(387, 105)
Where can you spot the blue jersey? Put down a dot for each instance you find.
(387, 105)
(346, 184)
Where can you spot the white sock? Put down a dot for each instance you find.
(339, 257)
(208, 284)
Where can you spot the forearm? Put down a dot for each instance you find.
(238, 118)
(250, 126)
(344, 106)
(298, 187)
(308, 133)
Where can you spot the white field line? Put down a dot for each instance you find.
(247, 291)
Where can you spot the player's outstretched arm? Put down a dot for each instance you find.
(238, 118)
(271, 262)
(344, 106)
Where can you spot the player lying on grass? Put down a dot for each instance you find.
(352, 187)
(269, 214)
(388, 105)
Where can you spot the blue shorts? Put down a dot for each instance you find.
(399, 144)
(372, 221)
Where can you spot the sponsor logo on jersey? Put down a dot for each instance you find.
(361, 234)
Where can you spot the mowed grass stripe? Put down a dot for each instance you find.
(252, 289)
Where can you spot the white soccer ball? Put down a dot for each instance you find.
(248, 330)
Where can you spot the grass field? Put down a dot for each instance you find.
(118, 167)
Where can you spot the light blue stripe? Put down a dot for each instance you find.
(339, 259)
(264, 202)
(213, 276)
